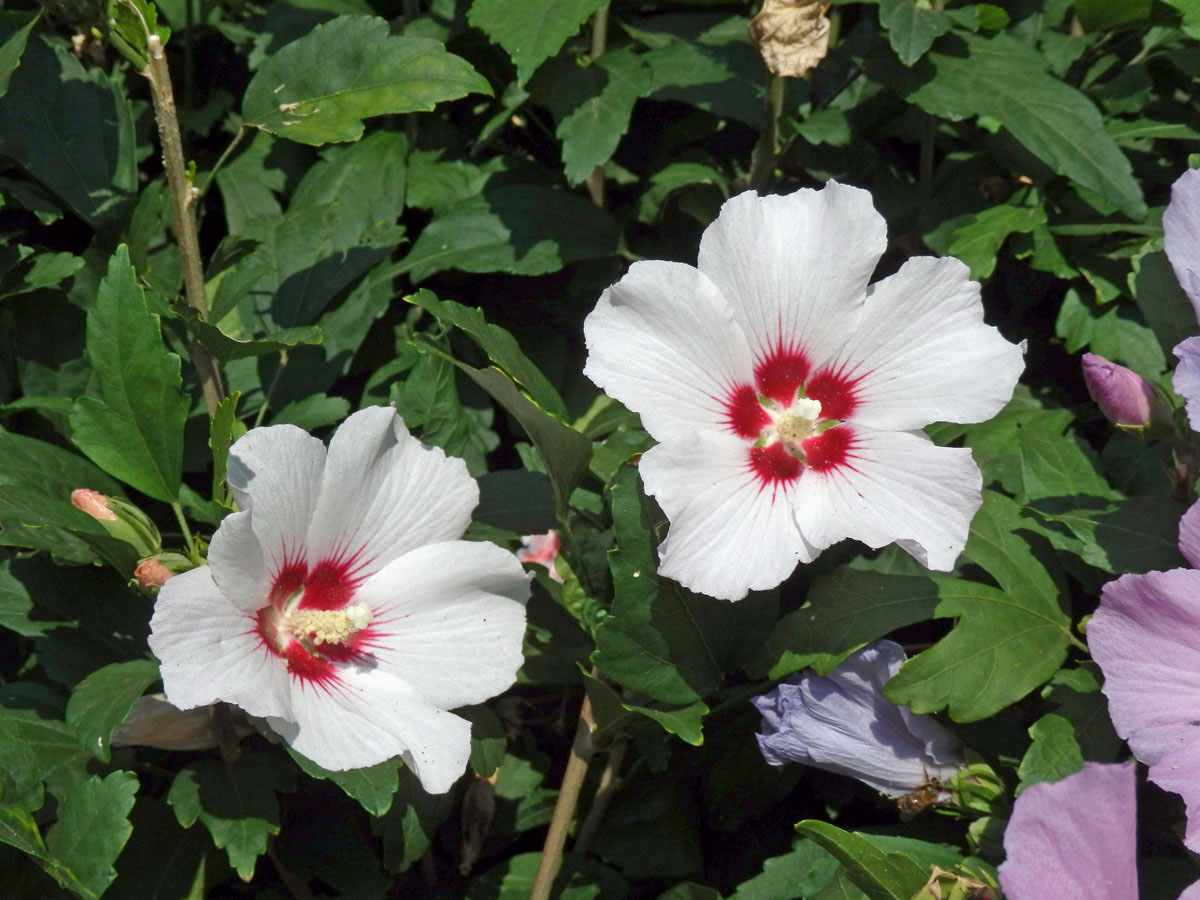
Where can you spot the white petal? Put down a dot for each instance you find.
(894, 486)
(384, 493)
(663, 341)
(922, 354)
(275, 473)
(795, 268)
(729, 534)
(449, 620)
(209, 650)
(236, 562)
(369, 716)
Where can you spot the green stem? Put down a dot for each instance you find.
(595, 180)
(212, 175)
(766, 152)
(192, 553)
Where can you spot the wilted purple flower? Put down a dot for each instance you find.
(1124, 396)
(841, 722)
(1146, 639)
(1076, 838)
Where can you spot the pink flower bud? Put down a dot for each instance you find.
(152, 573)
(93, 503)
(1123, 395)
(541, 549)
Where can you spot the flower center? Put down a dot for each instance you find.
(791, 426)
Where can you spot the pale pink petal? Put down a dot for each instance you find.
(922, 353)
(795, 268)
(236, 561)
(1189, 534)
(730, 533)
(893, 487)
(384, 493)
(663, 341)
(368, 716)
(1181, 234)
(1146, 639)
(209, 650)
(448, 620)
(275, 474)
(1186, 379)
(1075, 838)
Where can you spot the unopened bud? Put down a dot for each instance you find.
(1124, 396)
(151, 573)
(121, 519)
(543, 550)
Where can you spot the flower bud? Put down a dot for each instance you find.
(543, 550)
(121, 519)
(151, 573)
(1125, 397)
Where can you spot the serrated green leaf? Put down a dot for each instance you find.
(1105, 331)
(315, 411)
(134, 428)
(223, 430)
(373, 787)
(61, 761)
(524, 229)
(879, 875)
(1005, 79)
(1054, 753)
(530, 32)
(1007, 640)
(71, 129)
(102, 701)
(18, 829)
(15, 37)
(237, 805)
(320, 88)
(591, 132)
(93, 826)
(1135, 535)
(226, 348)
(687, 722)
(1097, 15)
(843, 610)
(978, 242)
(30, 519)
(488, 740)
(1056, 465)
(911, 30)
(500, 346)
(799, 872)
(1161, 300)
(673, 178)
(409, 826)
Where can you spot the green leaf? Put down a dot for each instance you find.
(320, 88)
(1005, 79)
(1161, 300)
(102, 701)
(978, 242)
(516, 500)
(93, 826)
(685, 721)
(31, 519)
(660, 639)
(20, 769)
(237, 805)
(523, 229)
(225, 348)
(844, 610)
(1098, 15)
(800, 872)
(530, 32)
(61, 761)
(18, 829)
(500, 346)
(1135, 535)
(373, 787)
(879, 875)
(16, 606)
(223, 430)
(1054, 753)
(1007, 641)
(911, 30)
(1054, 465)
(591, 132)
(315, 411)
(410, 825)
(71, 129)
(488, 741)
(1103, 330)
(676, 177)
(134, 428)
(565, 450)
(15, 37)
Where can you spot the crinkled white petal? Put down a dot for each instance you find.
(369, 716)
(729, 535)
(237, 564)
(450, 619)
(663, 341)
(894, 487)
(209, 650)
(795, 268)
(275, 475)
(384, 492)
(922, 352)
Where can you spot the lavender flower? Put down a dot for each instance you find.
(1181, 240)
(1124, 396)
(841, 723)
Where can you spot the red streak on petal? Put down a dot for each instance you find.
(836, 392)
(780, 373)
(829, 450)
(744, 413)
(773, 464)
(312, 669)
(289, 580)
(329, 585)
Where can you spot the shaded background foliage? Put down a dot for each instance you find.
(348, 244)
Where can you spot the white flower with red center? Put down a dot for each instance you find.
(787, 395)
(339, 604)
